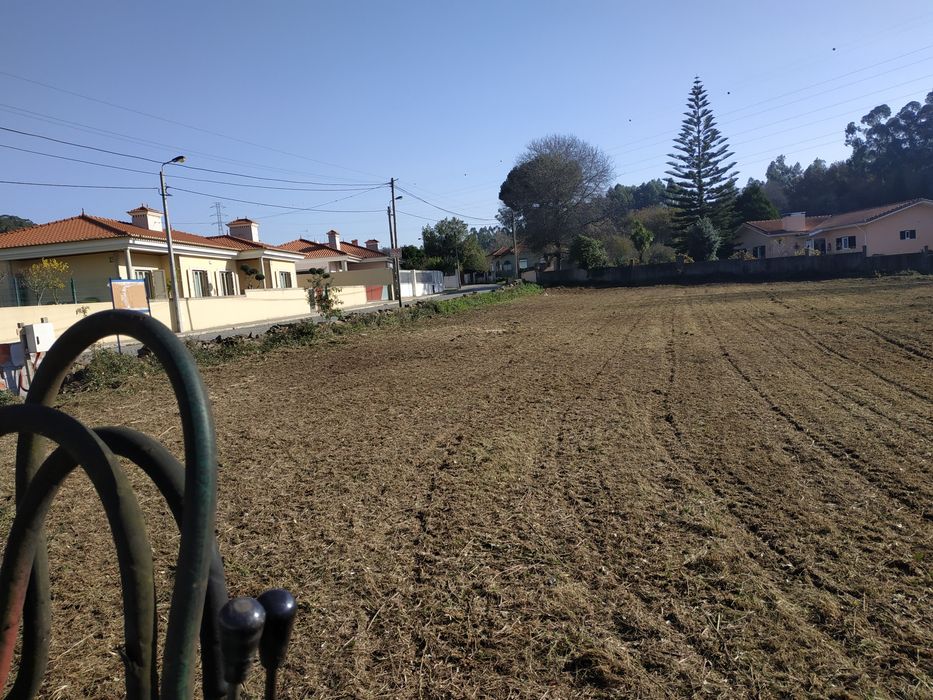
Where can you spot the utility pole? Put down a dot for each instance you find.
(518, 274)
(396, 261)
(176, 289)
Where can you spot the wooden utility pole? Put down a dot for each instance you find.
(396, 260)
(518, 274)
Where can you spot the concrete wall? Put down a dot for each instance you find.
(370, 277)
(367, 266)
(255, 306)
(61, 316)
(769, 269)
(351, 296)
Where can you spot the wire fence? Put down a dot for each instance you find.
(13, 292)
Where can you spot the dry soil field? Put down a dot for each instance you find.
(662, 492)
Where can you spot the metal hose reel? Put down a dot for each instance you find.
(230, 632)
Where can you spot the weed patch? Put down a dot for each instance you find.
(108, 369)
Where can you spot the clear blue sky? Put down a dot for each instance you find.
(441, 95)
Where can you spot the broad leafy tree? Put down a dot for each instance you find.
(551, 190)
(8, 222)
(588, 252)
(701, 167)
(413, 258)
(641, 237)
(449, 245)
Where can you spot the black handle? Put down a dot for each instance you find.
(280, 609)
(241, 624)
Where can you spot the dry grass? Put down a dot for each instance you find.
(720, 490)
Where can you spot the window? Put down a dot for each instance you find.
(285, 280)
(758, 251)
(225, 283)
(200, 286)
(147, 276)
(909, 235)
(523, 263)
(845, 243)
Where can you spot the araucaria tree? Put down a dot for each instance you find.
(703, 174)
(551, 190)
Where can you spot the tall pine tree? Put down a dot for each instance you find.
(703, 176)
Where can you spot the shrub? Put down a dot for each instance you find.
(47, 275)
(658, 253)
(108, 369)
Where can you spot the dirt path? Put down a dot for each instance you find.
(720, 490)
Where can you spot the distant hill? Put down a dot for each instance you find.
(8, 222)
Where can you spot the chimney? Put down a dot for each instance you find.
(146, 218)
(372, 244)
(355, 241)
(333, 239)
(796, 221)
(244, 228)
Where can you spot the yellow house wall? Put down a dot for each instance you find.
(148, 261)
(188, 263)
(883, 236)
(747, 239)
(276, 266)
(91, 274)
(785, 246)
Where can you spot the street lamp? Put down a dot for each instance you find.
(176, 290)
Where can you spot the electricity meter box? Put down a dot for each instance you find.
(38, 337)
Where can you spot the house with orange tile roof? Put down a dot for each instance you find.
(97, 249)
(902, 227)
(337, 255)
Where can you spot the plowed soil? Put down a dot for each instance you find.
(663, 492)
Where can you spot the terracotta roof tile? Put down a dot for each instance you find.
(359, 251)
(775, 227)
(312, 249)
(862, 216)
(91, 228)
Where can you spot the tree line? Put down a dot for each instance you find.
(560, 197)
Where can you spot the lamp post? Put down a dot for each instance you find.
(176, 290)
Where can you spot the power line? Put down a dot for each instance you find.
(75, 160)
(78, 145)
(785, 104)
(178, 123)
(462, 216)
(333, 187)
(147, 142)
(281, 206)
(86, 187)
(770, 134)
(329, 188)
